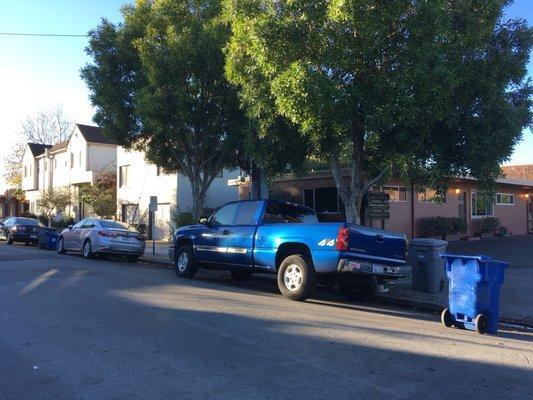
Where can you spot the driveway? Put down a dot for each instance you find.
(72, 328)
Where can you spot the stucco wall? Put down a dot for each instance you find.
(513, 217)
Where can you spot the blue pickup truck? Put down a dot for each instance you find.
(286, 239)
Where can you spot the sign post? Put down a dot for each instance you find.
(152, 208)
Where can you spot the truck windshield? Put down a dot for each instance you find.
(277, 213)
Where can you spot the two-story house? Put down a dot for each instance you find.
(68, 165)
(139, 180)
(30, 173)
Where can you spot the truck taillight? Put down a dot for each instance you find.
(342, 238)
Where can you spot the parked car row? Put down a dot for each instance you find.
(90, 236)
(245, 237)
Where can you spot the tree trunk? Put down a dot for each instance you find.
(353, 194)
(198, 196)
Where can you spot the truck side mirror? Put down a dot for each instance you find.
(202, 220)
(70, 227)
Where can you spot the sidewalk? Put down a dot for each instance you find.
(516, 301)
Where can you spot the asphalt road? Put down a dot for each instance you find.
(90, 329)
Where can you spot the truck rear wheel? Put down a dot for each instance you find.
(296, 277)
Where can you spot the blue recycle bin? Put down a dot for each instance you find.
(474, 294)
(48, 238)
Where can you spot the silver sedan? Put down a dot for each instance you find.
(101, 236)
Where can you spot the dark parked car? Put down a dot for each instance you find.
(19, 229)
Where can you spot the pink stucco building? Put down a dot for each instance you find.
(513, 204)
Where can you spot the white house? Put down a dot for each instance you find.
(30, 173)
(69, 164)
(138, 180)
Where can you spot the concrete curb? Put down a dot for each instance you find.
(378, 298)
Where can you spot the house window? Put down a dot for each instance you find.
(123, 176)
(396, 193)
(55, 163)
(505, 199)
(71, 160)
(327, 200)
(158, 170)
(480, 206)
(309, 198)
(80, 159)
(428, 196)
(25, 171)
(45, 166)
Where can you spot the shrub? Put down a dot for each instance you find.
(502, 231)
(489, 224)
(180, 218)
(442, 226)
(63, 222)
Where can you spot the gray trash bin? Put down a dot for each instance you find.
(427, 265)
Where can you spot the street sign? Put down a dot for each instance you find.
(152, 207)
(378, 206)
(378, 215)
(239, 181)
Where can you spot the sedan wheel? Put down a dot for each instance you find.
(9, 239)
(87, 250)
(61, 246)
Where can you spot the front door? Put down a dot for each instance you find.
(241, 235)
(212, 244)
(530, 213)
(461, 200)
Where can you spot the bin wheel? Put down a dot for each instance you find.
(446, 318)
(482, 323)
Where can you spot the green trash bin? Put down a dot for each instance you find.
(427, 265)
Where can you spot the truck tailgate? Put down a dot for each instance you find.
(377, 243)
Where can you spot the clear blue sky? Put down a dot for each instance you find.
(40, 73)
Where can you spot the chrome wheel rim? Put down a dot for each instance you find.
(293, 277)
(86, 249)
(183, 260)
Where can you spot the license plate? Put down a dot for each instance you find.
(377, 269)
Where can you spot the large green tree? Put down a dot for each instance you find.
(157, 82)
(388, 86)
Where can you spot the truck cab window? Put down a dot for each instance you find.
(246, 213)
(288, 214)
(225, 215)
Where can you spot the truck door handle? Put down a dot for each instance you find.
(380, 238)
(225, 232)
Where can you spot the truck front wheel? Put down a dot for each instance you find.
(296, 277)
(185, 264)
